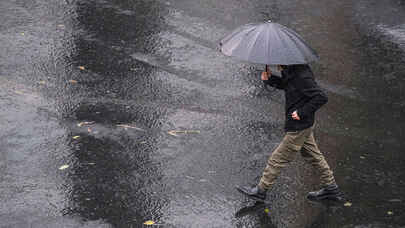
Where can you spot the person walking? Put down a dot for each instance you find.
(303, 97)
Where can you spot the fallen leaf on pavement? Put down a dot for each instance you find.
(149, 222)
(177, 132)
(390, 212)
(82, 68)
(348, 204)
(76, 137)
(85, 123)
(63, 167)
(73, 81)
(128, 126)
(42, 82)
(267, 210)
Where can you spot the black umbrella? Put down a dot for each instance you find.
(268, 43)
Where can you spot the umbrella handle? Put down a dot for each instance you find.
(265, 85)
(267, 71)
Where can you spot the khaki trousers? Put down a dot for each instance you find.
(293, 142)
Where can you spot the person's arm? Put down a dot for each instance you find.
(272, 80)
(307, 85)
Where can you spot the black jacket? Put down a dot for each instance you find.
(302, 93)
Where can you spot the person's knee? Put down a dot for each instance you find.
(285, 157)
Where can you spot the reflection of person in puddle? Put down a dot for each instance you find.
(303, 98)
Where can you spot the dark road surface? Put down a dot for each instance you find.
(117, 112)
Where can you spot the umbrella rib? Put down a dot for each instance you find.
(302, 51)
(295, 44)
(232, 41)
(246, 34)
(254, 44)
(267, 52)
(284, 45)
(273, 45)
(237, 42)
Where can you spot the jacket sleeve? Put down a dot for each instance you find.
(316, 97)
(274, 81)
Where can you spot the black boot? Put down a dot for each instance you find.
(328, 192)
(255, 193)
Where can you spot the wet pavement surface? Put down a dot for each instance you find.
(117, 112)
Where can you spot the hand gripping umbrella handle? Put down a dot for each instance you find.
(269, 89)
(267, 86)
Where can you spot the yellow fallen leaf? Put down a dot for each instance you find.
(348, 204)
(149, 222)
(73, 81)
(63, 167)
(19, 92)
(390, 212)
(76, 137)
(22, 33)
(42, 82)
(267, 210)
(82, 68)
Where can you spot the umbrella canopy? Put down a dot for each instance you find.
(268, 43)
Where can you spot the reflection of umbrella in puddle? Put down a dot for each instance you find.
(267, 43)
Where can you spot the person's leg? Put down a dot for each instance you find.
(284, 154)
(311, 154)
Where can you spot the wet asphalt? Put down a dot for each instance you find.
(117, 112)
